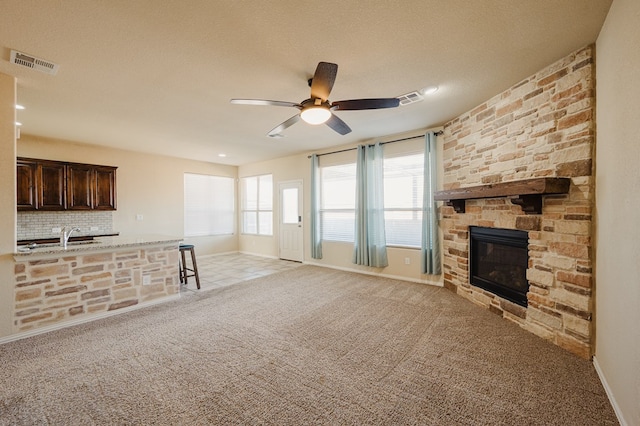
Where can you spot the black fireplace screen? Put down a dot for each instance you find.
(498, 262)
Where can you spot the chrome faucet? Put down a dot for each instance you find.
(64, 237)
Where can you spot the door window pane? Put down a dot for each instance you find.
(290, 205)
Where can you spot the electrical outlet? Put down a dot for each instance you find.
(139, 217)
(407, 261)
(146, 279)
(95, 228)
(56, 230)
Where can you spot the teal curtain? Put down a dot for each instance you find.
(316, 237)
(370, 246)
(430, 240)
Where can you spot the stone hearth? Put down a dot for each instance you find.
(541, 127)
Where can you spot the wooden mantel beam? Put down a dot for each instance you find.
(526, 193)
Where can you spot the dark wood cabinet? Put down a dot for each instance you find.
(26, 185)
(104, 188)
(40, 185)
(53, 185)
(79, 186)
(50, 181)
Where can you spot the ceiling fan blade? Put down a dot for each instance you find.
(338, 125)
(264, 102)
(323, 79)
(278, 129)
(357, 104)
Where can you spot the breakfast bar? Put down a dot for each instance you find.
(91, 279)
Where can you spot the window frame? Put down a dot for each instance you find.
(259, 205)
(208, 204)
(402, 149)
(417, 189)
(324, 211)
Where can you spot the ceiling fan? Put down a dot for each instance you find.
(317, 109)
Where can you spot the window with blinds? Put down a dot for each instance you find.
(257, 205)
(403, 191)
(338, 202)
(209, 205)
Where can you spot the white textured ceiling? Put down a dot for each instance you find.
(157, 75)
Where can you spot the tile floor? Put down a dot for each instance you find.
(226, 269)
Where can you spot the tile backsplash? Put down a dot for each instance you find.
(32, 225)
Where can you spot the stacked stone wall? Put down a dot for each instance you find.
(542, 127)
(51, 290)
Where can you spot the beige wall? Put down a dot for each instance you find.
(618, 206)
(7, 199)
(150, 185)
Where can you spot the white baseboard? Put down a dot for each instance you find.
(70, 323)
(393, 277)
(259, 255)
(607, 389)
(239, 252)
(217, 254)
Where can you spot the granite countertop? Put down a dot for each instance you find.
(74, 237)
(98, 243)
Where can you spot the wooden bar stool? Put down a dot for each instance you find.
(184, 270)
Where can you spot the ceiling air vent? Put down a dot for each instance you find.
(410, 98)
(29, 61)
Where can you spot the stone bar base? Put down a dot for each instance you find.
(52, 290)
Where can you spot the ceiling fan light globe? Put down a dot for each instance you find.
(315, 115)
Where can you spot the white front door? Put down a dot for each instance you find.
(291, 231)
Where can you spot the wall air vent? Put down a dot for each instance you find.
(29, 61)
(410, 98)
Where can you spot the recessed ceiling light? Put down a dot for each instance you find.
(19, 106)
(222, 155)
(429, 90)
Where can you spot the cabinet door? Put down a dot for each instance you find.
(79, 187)
(105, 188)
(26, 185)
(50, 184)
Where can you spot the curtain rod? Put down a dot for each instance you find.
(438, 133)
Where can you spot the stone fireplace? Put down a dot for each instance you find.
(541, 129)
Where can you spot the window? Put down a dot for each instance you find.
(257, 205)
(209, 205)
(338, 202)
(403, 192)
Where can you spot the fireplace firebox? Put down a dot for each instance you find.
(498, 261)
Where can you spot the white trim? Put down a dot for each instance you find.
(70, 323)
(217, 254)
(239, 252)
(259, 255)
(607, 389)
(360, 271)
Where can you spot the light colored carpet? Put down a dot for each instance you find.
(305, 346)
